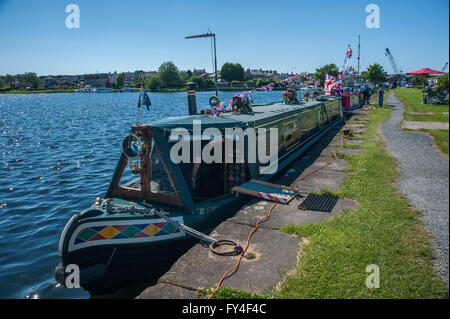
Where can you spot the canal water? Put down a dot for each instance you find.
(58, 153)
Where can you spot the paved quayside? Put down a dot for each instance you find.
(275, 254)
(424, 180)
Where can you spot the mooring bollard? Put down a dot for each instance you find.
(192, 103)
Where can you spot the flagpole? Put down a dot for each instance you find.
(345, 60)
(359, 48)
(139, 105)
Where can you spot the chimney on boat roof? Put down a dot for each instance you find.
(192, 103)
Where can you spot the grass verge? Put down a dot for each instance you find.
(440, 138)
(228, 293)
(382, 230)
(412, 99)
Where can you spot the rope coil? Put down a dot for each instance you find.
(237, 249)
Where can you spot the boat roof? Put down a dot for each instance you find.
(206, 121)
(260, 114)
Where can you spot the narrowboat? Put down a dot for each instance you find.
(124, 238)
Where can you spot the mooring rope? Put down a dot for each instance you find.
(264, 218)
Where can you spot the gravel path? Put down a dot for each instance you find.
(424, 180)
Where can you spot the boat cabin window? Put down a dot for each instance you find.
(204, 181)
(210, 180)
(159, 179)
(145, 175)
(129, 177)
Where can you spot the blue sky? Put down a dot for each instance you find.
(284, 35)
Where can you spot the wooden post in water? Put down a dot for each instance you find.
(192, 103)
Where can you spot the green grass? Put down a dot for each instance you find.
(440, 138)
(412, 99)
(381, 230)
(349, 146)
(228, 293)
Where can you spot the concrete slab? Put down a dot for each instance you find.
(358, 129)
(283, 215)
(327, 151)
(358, 118)
(323, 179)
(338, 164)
(276, 254)
(353, 142)
(306, 165)
(363, 110)
(168, 291)
(358, 122)
(361, 113)
(353, 125)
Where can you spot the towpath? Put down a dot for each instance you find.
(424, 179)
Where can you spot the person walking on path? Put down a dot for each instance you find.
(424, 180)
(364, 91)
(380, 95)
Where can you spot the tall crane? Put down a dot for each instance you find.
(445, 66)
(392, 61)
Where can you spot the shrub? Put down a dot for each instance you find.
(442, 83)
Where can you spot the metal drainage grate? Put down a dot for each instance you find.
(321, 203)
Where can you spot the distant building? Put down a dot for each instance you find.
(211, 76)
(149, 74)
(49, 82)
(20, 85)
(66, 81)
(198, 72)
(255, 74)
(98, 79)
(130, 78)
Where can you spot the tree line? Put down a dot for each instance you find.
(31, 79)
(374, 73)
(170, 77)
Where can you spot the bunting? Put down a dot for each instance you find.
(216, 111)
